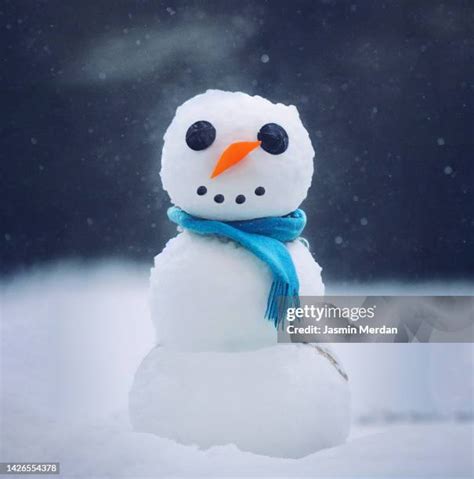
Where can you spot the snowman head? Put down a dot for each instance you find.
(230, 156)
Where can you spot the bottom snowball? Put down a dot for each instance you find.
(287, 400)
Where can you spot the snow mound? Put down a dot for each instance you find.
(113, 450)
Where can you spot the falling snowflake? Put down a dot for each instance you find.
(264, 58)
(338, 240)
(440, 141)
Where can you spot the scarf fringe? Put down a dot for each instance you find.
(281, 297)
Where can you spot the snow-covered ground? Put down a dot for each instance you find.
(72, 337)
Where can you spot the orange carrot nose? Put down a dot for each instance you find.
(233, 154)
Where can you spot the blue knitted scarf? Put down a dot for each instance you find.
(265, 238)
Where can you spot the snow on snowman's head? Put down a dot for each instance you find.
(232, 156)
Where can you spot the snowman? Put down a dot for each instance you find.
(237, 167)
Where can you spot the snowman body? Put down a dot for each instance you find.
(210, 294)
(217, 375)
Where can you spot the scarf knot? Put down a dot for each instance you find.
(265, 238)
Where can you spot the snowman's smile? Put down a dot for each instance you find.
(239, 199)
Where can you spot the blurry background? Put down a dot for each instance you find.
(385, 89)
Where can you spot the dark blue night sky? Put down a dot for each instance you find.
(385, 89)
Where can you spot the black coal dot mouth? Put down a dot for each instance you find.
(220, 198)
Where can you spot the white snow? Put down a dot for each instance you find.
(295, 395)
(72, 338)
(229, 289)
(73, 335)
(113, 450)
(236, 117)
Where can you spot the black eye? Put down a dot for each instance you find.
(200, 135)
(274, 138)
